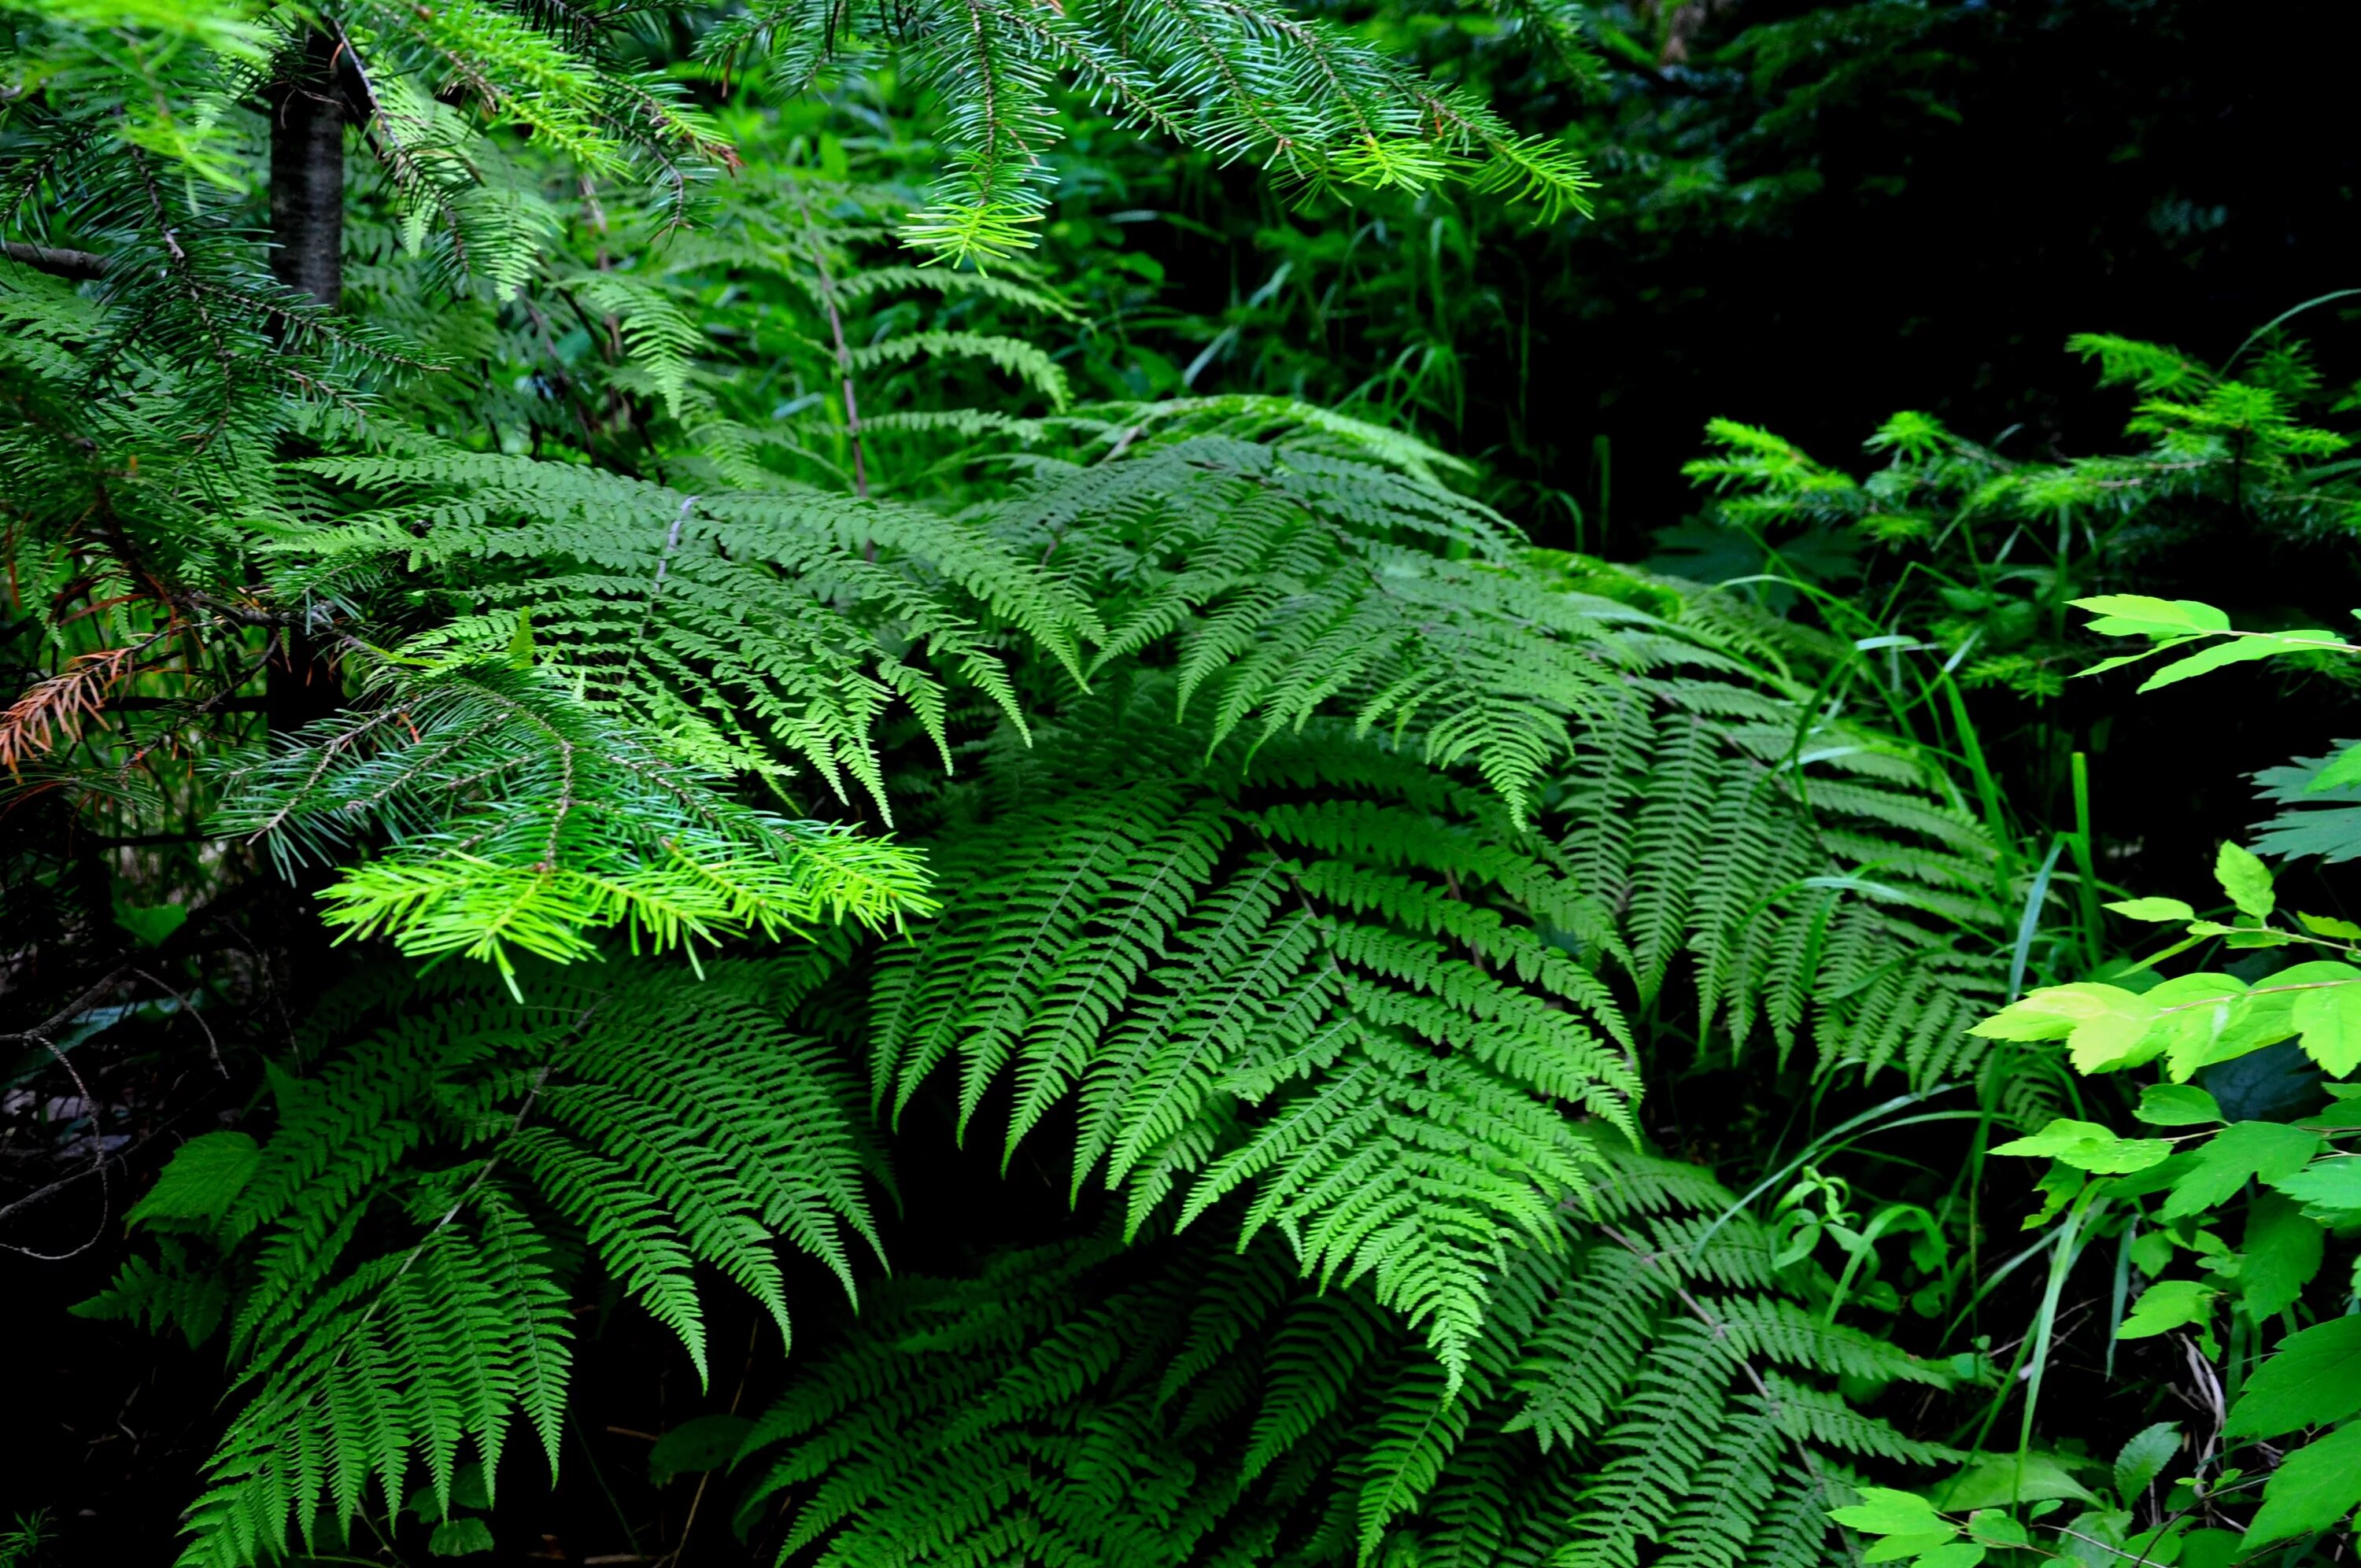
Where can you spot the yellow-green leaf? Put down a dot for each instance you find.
(2087, 1146)
(2244, 879)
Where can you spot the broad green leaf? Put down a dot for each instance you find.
(2278, 1256)
(2104, 1027)
(1893, 1548)
(2177, 1105)
(1953, 1554)
(2328, 925)
(2313, 1378)
(459, 1538)
(204, 1178)
(2191, 1013)
(2238, 650)
(2143, 1459)
(2312, 1488)
(2345, 770)
(2087, 1146)
(2264, 1016)
(2210, 1548)
(2137, 615)
(2264, 1151)
(2244, 879)
(151, 926)
(2167, 1304)
(1996, 1527)
(2154, 910)
(2328, 1016)
(2329, 1189)
(2001, 1478)
(1885, 1511)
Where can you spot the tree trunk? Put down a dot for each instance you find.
(300, 685)
(307, 173)
(306, 105)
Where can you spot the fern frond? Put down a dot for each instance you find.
(472, 1155)
(521, 819)
(1053, 1409)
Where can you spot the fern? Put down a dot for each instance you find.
(1297, 94)
(1169, 945)
(1295, 561)
(1087, 1404)
(400, 1255)
(734, 627)
(521, 821)
(1819, 879)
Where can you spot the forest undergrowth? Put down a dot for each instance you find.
(816, 784)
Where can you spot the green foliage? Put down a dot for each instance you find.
(1164, 1402)
(2291, 1177)
(1321, 881)
(394, 1262)
(1298, 95)
(1969, 1519)
(1293, 980)
(1980, 553)
(1825, 879)
(520, 819)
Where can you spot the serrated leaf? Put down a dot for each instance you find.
(459, 1538)
(2312, 1488)
(2087, 1146)
(2166, 1305)
(1953, 1554)
(2001, 1478)
(2142, 1459)
(2329, 1189)
(2177, 1105)
(2278, 1256)
(1883, 1510)
(2192, 1012)
(2239, 650)
(2264, 1151)
(2328, 1017)
(2104, 1027)
(203, 1178)
(2244, 879)
(2313, 1378)
(2139, 615)
(2343, 768)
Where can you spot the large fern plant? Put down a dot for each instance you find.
(1266, 821)
(1642, 1391)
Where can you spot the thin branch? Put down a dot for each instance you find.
(80, 265)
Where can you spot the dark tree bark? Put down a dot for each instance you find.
(307, 171)
(306, 106)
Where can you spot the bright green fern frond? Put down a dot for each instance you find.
(1366, 1042)
(523, 820)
